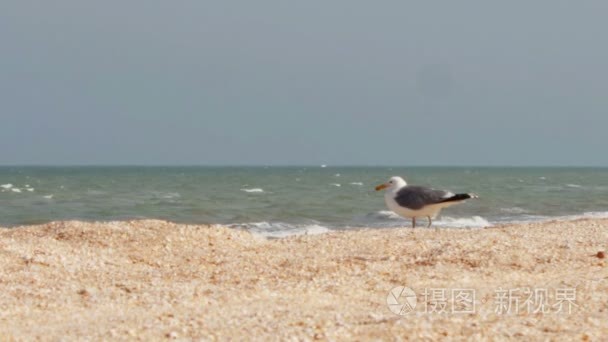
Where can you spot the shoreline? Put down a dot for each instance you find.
(152, 279)
(468, 222)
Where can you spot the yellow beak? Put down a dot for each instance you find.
(381, 186)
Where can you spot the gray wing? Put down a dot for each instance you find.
(417, 197)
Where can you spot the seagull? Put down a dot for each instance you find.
(416, 201)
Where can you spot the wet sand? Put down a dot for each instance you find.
(152, 280)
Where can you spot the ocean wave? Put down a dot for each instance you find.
(16, 190)
(277, 230)
(336, 185)
(357, 183)
(574, 186)
(6, 186)
(48, 196)
(253, 190)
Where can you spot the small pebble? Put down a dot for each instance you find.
(601, 255)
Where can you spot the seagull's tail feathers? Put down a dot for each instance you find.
(459, 197)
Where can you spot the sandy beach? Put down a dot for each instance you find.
(153, 280)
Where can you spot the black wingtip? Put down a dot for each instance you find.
(460, 197)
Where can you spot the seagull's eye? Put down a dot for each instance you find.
(391, 182)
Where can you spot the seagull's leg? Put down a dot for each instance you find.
(430, 222)
(413, 222)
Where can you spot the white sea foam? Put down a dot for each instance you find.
(337, 175)
(278, 230)
(586, 215)
(543, 218)
(574, 186)
(445, 221)
(16, 190)
(525, 218)
(356, 183)
(383, 215)
(463, 222)
(336, 185)
(30, 189)
(323, 166)
(253, 190)
(48, 196)
(171, 195)
(591, 214)
(514, 210)
(6, 186)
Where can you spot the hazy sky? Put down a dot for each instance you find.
(304, 82)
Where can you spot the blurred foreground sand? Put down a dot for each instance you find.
(152, 280)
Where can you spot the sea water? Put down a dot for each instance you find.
(282, 201)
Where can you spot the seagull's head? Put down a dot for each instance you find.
(393, 183)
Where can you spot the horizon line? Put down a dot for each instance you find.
(303, 165)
